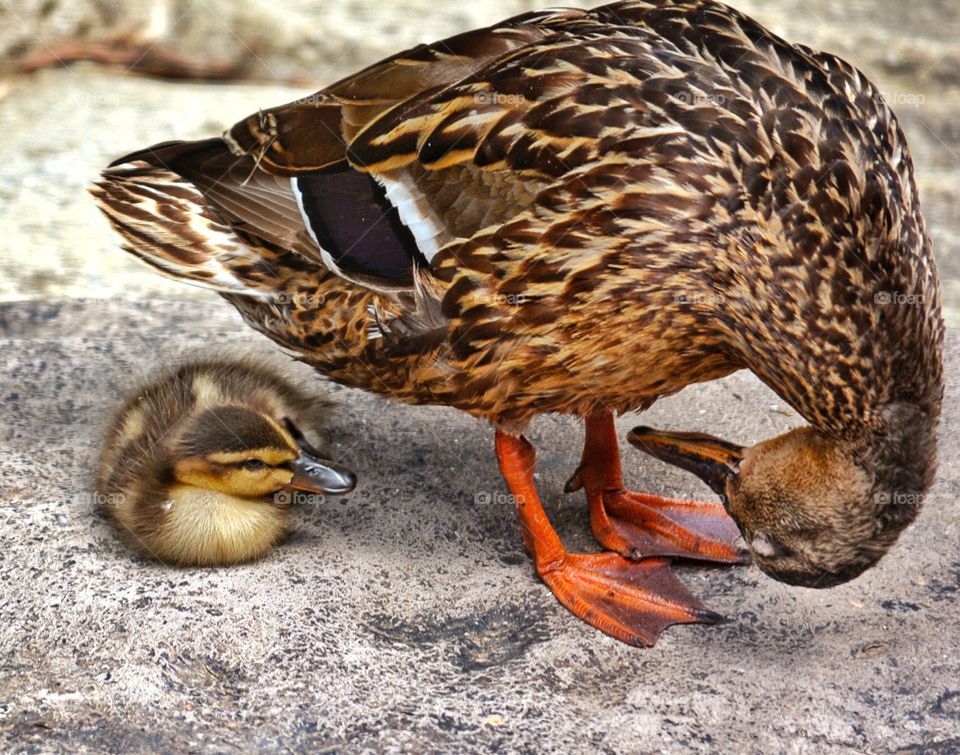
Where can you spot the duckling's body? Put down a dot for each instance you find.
(582, 211)
(196, 465)
(205, 527)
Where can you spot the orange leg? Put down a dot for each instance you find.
(631, 600)
(636, 525)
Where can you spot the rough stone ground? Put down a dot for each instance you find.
(406, 616)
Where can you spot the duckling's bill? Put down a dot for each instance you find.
(321, 475)
(313, 473)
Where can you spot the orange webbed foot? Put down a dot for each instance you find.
(631, 601)
(637, 525)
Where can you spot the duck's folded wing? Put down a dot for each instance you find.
(451, 139)
(196, 212)
(215, 212)
(311, 133)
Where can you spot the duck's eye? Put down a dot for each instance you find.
(765, 545)
(252, 465)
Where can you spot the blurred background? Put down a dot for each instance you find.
(84, 81)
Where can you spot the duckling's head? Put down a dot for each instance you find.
(238, 451)
(815, 511)
(230, 472)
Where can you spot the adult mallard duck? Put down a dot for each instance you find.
(198, 467)
(582, 211)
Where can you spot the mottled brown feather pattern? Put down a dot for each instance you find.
(657, 193)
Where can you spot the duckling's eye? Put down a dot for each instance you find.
(252, 465)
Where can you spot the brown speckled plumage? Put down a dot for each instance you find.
(624, 201)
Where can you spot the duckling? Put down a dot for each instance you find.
(198, 466)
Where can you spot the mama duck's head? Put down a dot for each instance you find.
(815, 510)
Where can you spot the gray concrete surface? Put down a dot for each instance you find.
(406, 617)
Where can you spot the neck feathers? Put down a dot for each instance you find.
(903, 460)
(203, 527)
(844, 333)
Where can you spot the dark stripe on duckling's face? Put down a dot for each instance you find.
(353, 221)
(236, 451)
(251, 478)
(234, 430)
(243, 453)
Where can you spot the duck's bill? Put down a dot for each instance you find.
(318, 475)
(711, 459)
(315, 474)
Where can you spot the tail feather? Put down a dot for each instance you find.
(199, 213)
(167, 223)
